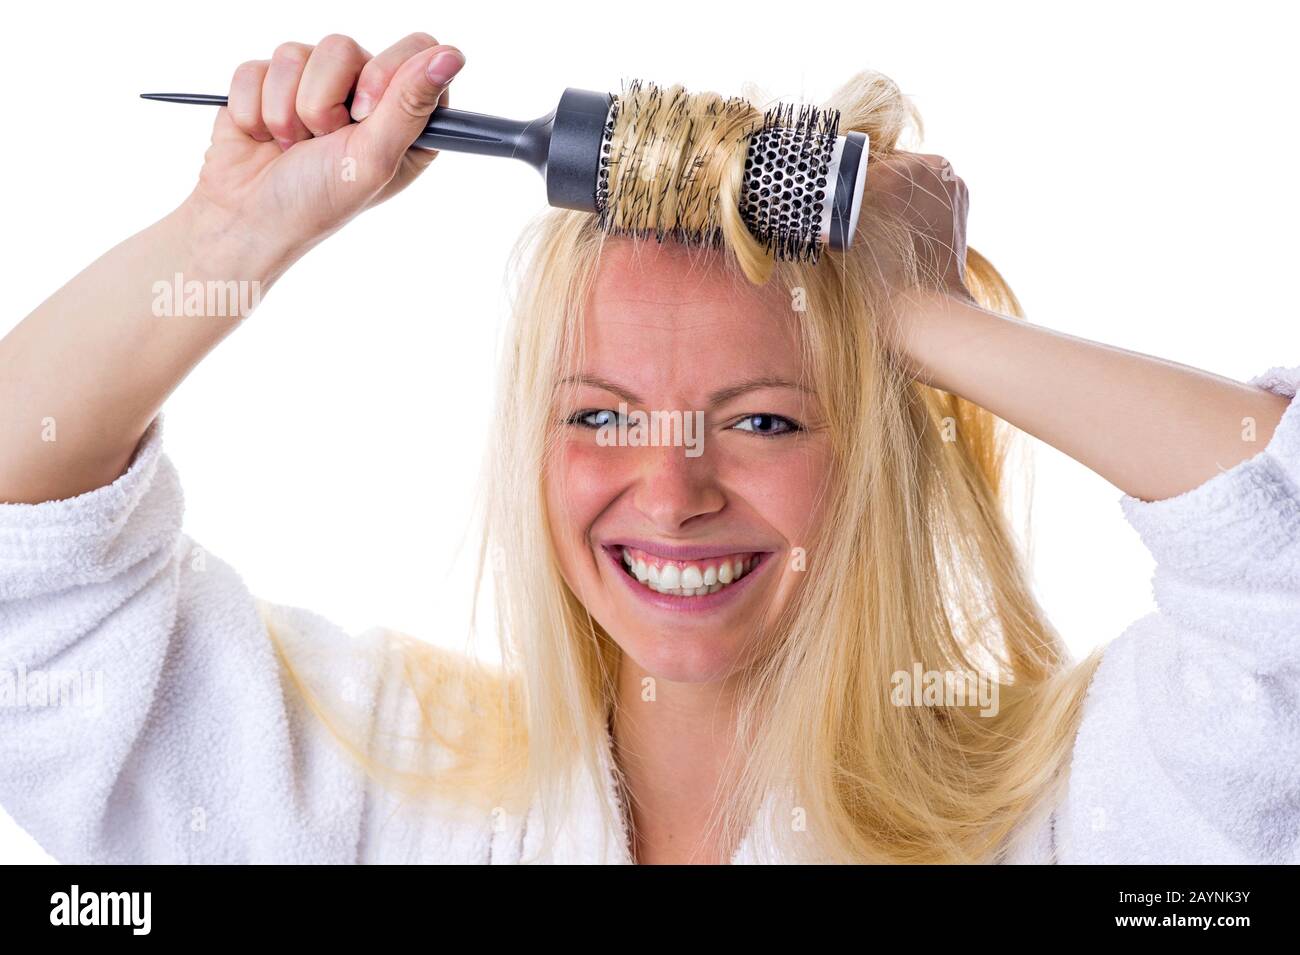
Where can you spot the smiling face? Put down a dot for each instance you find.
(682, 551)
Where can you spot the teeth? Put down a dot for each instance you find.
(693, 580)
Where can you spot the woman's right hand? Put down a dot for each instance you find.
(287, 165)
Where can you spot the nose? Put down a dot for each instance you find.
(674, 489)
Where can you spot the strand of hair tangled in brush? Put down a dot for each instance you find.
(926, 568)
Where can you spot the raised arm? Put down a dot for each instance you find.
(158, 716)
(1152, 427)
(1187, 752)
(82, 376)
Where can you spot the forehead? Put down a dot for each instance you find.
(665, 316)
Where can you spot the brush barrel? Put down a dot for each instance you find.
(801, 190)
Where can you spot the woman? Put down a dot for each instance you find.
(749, 653)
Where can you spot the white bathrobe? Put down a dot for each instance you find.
(145, 716)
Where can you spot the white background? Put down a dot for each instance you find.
(1130, 168)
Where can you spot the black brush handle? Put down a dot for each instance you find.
(455, 130)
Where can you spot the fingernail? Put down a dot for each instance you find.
(443, 67)
(362, 106)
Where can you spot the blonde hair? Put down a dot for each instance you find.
(927, 569)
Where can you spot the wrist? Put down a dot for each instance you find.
(221, 246)
(929, 329)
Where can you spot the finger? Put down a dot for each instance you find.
(379, 72)
(940, 166)
(404, 109)
(280, 94)
(930, 184)
(419, 159)
(224, 129)
(245, 100)
(331, 71)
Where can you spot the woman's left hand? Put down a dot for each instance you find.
(923, 190)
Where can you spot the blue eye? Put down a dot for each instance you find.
(767, 425)
(599, 418)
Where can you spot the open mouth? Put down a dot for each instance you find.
(685, 578)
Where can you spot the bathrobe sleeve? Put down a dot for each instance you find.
(145, 714)
(1189, 747)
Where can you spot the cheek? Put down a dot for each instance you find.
(582, 480)
(784, 487)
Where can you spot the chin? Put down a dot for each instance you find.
(684, 656)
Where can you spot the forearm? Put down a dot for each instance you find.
(82, 376)
(1151, 427)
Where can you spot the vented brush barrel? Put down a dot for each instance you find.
(804, 183)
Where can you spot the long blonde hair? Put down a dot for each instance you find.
(926, 572)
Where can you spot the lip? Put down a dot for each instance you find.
(681, 551)
(685, 605)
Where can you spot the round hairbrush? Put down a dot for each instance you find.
(801, 189)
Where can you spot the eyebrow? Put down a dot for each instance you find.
(721, 396)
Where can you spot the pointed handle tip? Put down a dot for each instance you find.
(198, 99)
